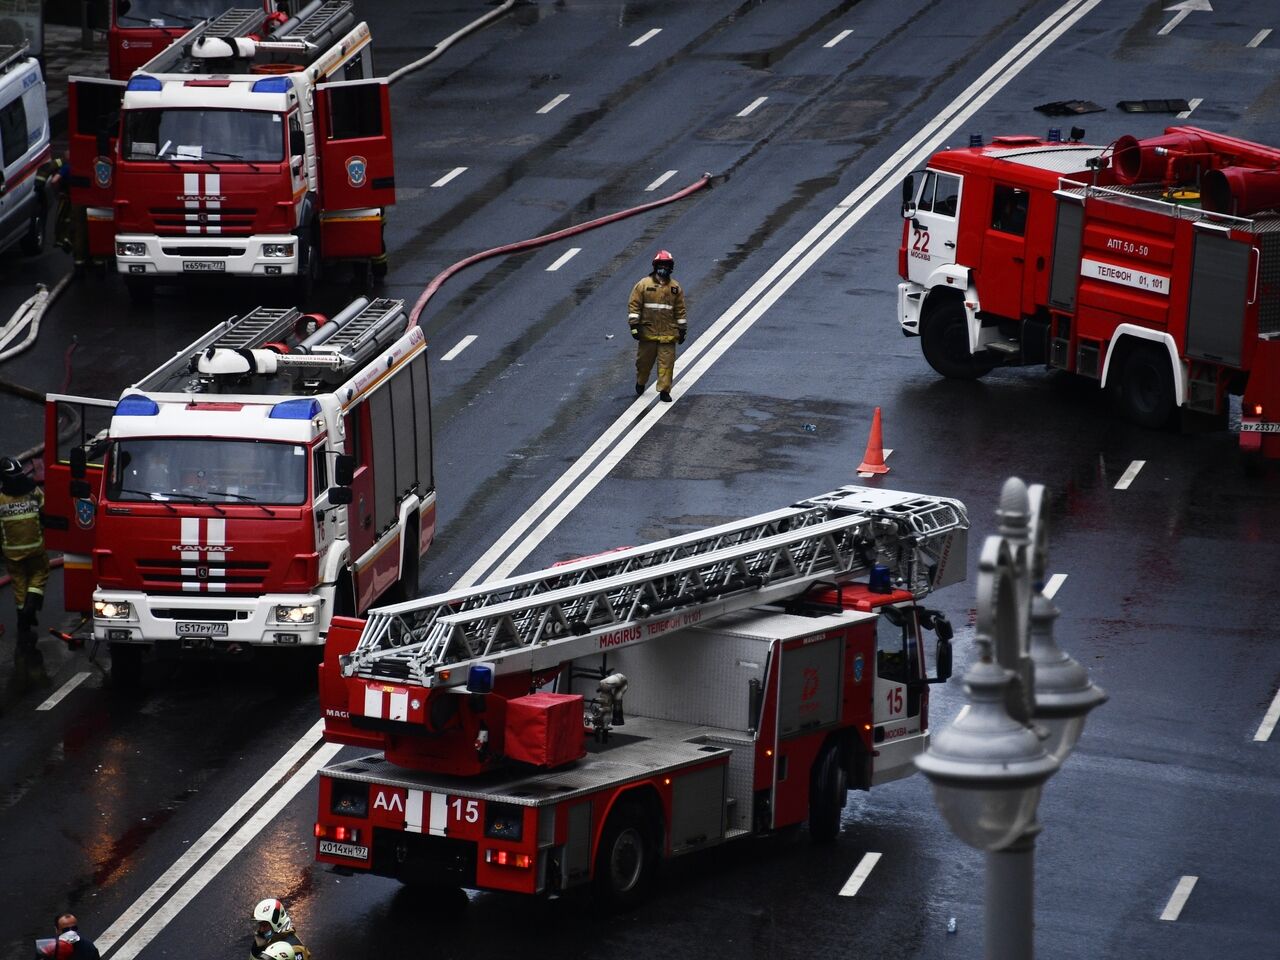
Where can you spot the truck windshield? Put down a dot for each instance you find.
(210, 136)
(207, 471)
(165, 13)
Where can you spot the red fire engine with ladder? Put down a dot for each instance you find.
(272, 473)
(761, 681)
(1151, 266)
(238, 151)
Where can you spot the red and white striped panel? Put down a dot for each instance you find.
(385, 702)
(207, 535)
(436, 806)
(192, 186)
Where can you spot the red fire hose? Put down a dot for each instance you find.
(546, 238)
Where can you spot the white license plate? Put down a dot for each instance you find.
(200, 629)
(344, 850)
(1260, 428)
(203, 266)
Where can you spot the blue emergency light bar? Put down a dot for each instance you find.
(303, 408)
(136, 405)
(144, 82)
(271, 85)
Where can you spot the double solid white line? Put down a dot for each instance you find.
(278, 786)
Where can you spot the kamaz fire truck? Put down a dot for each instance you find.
(275, 472)
(1151, 266)
(576, 725)
(235, 151)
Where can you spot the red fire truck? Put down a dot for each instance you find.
(1150, 266)
(139, 29)
(275, 472)
(232, 154)
(761, 681)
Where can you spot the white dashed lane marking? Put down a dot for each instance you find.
(461, 345)
(1259, 37)
(1054, 584)
(1268, 725)
(1191, 106)
(456, 171)
(836, 39)
(646, 37)
(1130, 474)
(660, 181)
(564, 258)
(1179, 899)
(553, 103)
(751, 107)
(63, 690)
(864, 868)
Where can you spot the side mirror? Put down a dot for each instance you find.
(80, 489)
(908, 197)
(944, 659)
(79, 463)
(942, 626)
(344, 469)
(339, 496)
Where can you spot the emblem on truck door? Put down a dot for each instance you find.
(102, 172)
(357, 170)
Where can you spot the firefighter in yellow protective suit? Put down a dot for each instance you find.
(657, 319)
(22, 542)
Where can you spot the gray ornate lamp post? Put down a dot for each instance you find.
(987, 769)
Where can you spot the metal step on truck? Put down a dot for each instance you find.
(577, 725)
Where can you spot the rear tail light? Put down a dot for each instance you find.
(1255, 410)
(324, 831)
(508, 858)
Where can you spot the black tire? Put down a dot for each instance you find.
(33, 244)
(944, 339)
(308, 278)
(126, 666)
(1145, 394)
(828, 791)
(141, 291)
(626, 859)
(379, 267)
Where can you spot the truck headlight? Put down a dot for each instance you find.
(111, 609)
(286, 613)
(277, 249)
(131, 249)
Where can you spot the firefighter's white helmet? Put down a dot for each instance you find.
(272, 913)
(279, 951)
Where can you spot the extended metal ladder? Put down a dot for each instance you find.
(539, 620)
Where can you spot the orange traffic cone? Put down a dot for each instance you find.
(873, 459)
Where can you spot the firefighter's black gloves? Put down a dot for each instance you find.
(681, 334)
(635, 333)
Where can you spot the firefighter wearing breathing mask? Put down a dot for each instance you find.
(656, 316)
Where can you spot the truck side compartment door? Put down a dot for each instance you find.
(71, 521)
(93, 127)
(353, 145)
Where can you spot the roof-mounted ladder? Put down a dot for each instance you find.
(539, 620)
(313, 25)
(235, 22)
(355, 337)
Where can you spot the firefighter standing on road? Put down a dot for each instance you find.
(657, 320)
(22, 540)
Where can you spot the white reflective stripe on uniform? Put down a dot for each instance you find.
(372, 702)
(633, 316)
(439, 815)
(399, 705)
(413, 812)
(190, 535)
(657, 306)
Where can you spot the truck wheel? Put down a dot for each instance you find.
(141, 291)
(33, 244)
(626, 859)
(945, 342)
(828, 791)
(1146, 387)
(126, 666)
(308, 278)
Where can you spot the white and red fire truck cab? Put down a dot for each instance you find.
(1142, 265)
(275, 472)
(238, 151)
(578, 724)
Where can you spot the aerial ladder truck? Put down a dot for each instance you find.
(275, 471)
(576, 725)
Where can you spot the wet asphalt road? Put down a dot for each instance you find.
(1168, 597)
